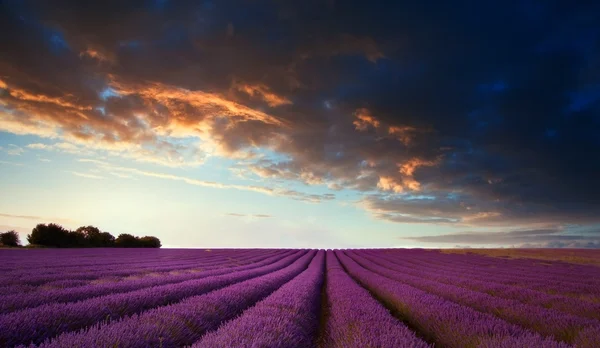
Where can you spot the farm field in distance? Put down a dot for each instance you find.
(299, 298)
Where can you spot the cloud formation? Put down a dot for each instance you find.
(446, 119)
(125, 172)
(36, 218)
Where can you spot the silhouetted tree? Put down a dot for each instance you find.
(53, 235)
(10, 238)
(106, 240)
(49, 235)
(149, 242)
(96, 238)
(77, 239)
(125, 240)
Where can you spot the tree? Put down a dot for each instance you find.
(149, 242)
(77, 239)
(95, 238)
(125, 240)
(53, 235)
(10, 238)
(106, 240)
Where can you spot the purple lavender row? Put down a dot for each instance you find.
(21, 301)
(24, 288)
(558, 272)
(70, 260)
(533, 297)
(122, 261)
(61, 258)
(39, 279)
(127, 273)
(474, 272)
(444, 322)
(548, 322)
(50, 283)
(31, 276)
(521, 280)
(185, 322)
(288, 318)
(39, 323)
(356, 319)
(564, 296)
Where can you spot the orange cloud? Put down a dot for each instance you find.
(23, 95)
(178, 100)
(404, 133)
(388, 183)
(364, 119)
(97, 55)
(145, 131)
(263, 92)
(408, 168)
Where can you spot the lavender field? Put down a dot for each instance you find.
(298, 298)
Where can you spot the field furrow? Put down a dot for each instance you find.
(441, 321)
(39, 323)
(184, 323)
(21, 301)
(296, 298)
(356, 319)
(524, 295)
(287, 318)
(548, 322)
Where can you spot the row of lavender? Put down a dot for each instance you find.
(287, 298)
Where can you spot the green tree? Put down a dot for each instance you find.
(10, 238)
(77, 239)
(52, 235)
(149, 242)
(125, 240)
(106, 240)
(95, 238)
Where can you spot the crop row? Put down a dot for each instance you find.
(289, 317)
(548, 322)
(356, 319)
(441, 321)
(184, 323)
(491, 287)
(523, 280)
(39, 278)
(21, 301)
(39, 323)
(498, 267)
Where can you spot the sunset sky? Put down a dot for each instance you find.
(304, 123)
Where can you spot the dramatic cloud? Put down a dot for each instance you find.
(432, 116)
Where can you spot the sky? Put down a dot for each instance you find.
(306, 124)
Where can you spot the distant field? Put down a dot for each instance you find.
(578, 256)
(299, 298)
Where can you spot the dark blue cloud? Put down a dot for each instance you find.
(502, 96)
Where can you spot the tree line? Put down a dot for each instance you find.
(54, 235)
